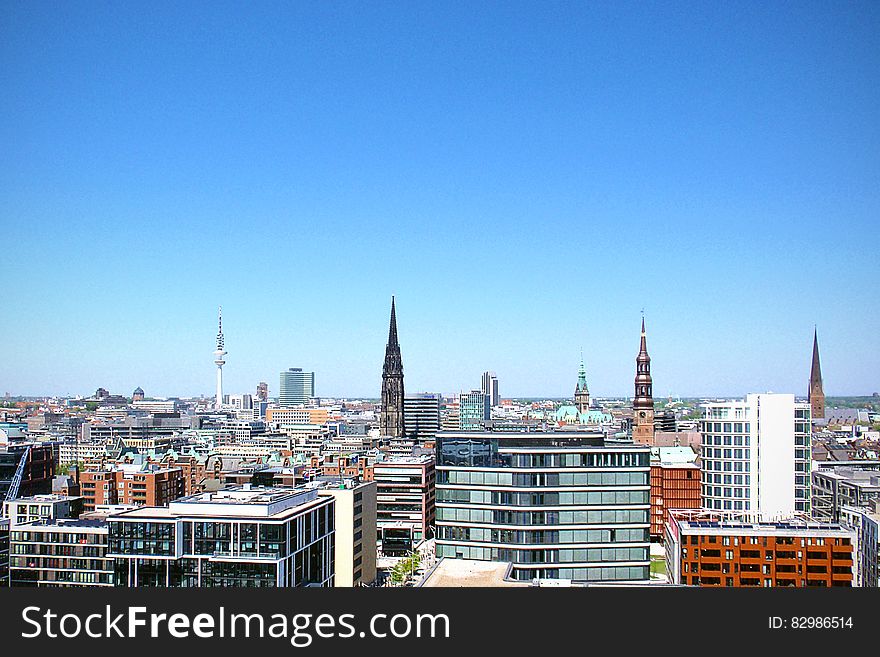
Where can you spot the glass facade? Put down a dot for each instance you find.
(554, 504)
(297, 550)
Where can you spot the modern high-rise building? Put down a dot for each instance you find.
(262, 391)
(643, 401)
(490, 388)
(714, 549)
(219, 353)
(473, 410)
(421, 413)
(557, 505)
(233, 537)
(391, 414)
(816, 393)
(296, 387)
(756, 455)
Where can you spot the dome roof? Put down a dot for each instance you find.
(138, 391)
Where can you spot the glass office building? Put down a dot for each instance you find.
(557, 505)
(247, 537)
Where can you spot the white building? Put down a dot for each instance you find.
(756, 455)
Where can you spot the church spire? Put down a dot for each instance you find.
(643, 400)
(391, 412)
(816, 391)
(581, 392)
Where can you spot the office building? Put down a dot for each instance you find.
(557, 505)
(865, 520)
(834, 487)
(262, 391)
(473, 410)
(421, 413)
(355, 522)
(147, 484)
(713, 549)
(490, 388)
(59, 553)
(296, 387)
(404, 502)
(675, 484)
(391, 412)
(42, 507)
(643, 401)
(28, 466)
(756, 455)
(816, 391)
(248, 537)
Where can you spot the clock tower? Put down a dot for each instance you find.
(643, 401)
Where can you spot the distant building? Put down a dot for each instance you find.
(473, 410)
(137, 395)
(254, 537)
(816, 392)
(756, 455)
(392, 412)
(675, 484)
(35, 462)
(262, 391)
(643, 400)
(296, 387)
(557, 505)
(142, 485)
(712, 549)
(421, 414)
(581, 391)
(490, 388)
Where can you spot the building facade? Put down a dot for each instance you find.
(865, 520)
(845, 485)
(711, 549)
(248, 537)
(557, 505)
(490, 388)
(756, 455)
(404, 502)
(59, 553)
(675, 484)
(473, 410)
(355, 538)
(141, 485)
(295, 387)
(421, 415)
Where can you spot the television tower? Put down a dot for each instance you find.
(218, 359)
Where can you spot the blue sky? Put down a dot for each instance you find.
(524, 177)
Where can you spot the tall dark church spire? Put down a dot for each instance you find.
(391, 413)
(643, 400)
(817, 394)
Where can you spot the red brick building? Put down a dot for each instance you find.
(705, 548)
(675, 484)
(140, 485)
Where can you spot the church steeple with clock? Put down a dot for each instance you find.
(643, 401)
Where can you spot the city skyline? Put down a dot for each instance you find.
(714, 165)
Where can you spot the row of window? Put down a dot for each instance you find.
(543, 499)
(536, 479)
(526, 518)
(541, 536)
(544, 556)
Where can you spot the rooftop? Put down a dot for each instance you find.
(468, 573)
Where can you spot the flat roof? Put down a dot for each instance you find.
(470, 573)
